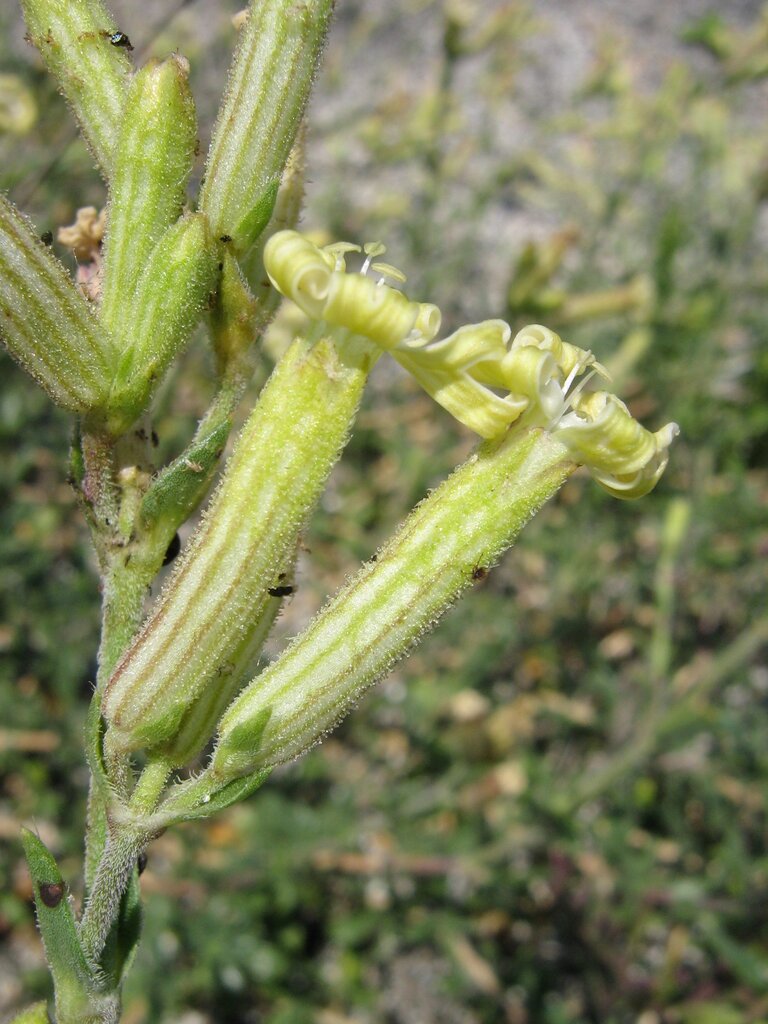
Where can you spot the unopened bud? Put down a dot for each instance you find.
(170, 297)
(75, 41)
(275, 62)
(153, 159)
(46, 324)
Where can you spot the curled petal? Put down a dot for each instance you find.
(373, 310)
(610, 438)
(534, 374)
(428, 321)
(569, 358)
(477, 374)
(299, 270)
(461, 372)
(317, 281)
(623, 457)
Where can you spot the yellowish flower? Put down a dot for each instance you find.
(317, 281)
(622, 456)
(485, 378)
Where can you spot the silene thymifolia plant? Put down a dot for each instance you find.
(182, 724)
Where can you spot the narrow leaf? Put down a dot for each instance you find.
(72, 977)
(178, 489)
(200, 801)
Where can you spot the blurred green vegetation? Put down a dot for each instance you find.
(555, 812)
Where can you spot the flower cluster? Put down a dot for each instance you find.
(485, 378)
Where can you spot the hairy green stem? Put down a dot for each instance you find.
(122, 849)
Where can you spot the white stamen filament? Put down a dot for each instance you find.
(570, 394)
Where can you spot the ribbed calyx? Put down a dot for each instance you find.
(447, 541)
(269, 83)
(45, 322)
(243, 549)
(84, 50)
(171, 294)
(147, 189)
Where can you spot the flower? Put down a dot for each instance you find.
(484, 379)
(317, 281)
(623, 457)
(85, 236)
(464, 374)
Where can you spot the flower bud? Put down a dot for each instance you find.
(75, 40)
(46, 324)
(153, 160)
(274, 66)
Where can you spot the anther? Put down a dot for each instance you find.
(371, 250)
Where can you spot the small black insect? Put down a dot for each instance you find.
(141, 862)
(120, 39)
(173, 549)
(479, 572)
(51, 893)
(282, 591)
(225, 238)
(47, 238)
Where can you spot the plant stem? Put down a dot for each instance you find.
(150, 786)
(122, 848)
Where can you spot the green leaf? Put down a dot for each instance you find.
(203, 799)
(73, 979)
(177, 490)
